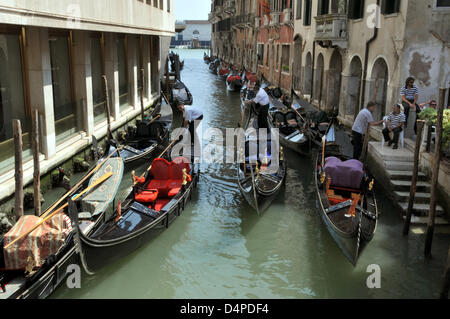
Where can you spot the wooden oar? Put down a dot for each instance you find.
(80, 183)
(43, 220)
(324, 141)
(165, 98)
(154, 119)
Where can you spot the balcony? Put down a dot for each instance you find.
(243, 21)
(331, 30)
(287, 16)
(276, 18)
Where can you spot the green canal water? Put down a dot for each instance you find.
(221, 248)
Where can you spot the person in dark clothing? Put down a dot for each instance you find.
(395, 123)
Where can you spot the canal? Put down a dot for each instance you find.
(221, 248)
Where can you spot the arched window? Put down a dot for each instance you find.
(196, 34)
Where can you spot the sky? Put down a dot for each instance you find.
(192, 9)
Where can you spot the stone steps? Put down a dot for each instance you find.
(399, 165)
(422, 209)
(405, 175)
(405, 186)
(420, 198)
(422, 220)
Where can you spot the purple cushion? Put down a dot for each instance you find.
(344, 174)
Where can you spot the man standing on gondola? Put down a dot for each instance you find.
(362, 121)
(192, 117)
(262, 104)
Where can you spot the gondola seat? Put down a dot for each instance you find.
(347, 174)
(161, 174)
(147, 196)
(176, 175)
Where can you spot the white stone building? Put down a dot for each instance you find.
(52, 58)
(196, 31)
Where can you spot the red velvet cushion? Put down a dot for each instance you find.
(177, 166)
(160, 185)
(174, 191)
(160, 169)
(160, 203)
(148, 196)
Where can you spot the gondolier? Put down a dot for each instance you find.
(192, 117)
(359, 128)
(262, 103)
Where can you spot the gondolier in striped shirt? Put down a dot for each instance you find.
(395, 123)
(362, 121)
(410, 95)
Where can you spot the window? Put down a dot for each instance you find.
(277, 49)
(64, 108)
(285, 58)
(356, 9)
(161, 4)
(139, 65)
(307, 14)
(180, 36)
(123, 73)
(97, 81)
(298, 14)
(12, 102)
(168, 5)
(322, 7)
(260, 54)
(442, 3)
(390, 6)
(196, 34)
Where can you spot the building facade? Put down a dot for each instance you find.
(52, 59)
(196, 34)
(347, 52)
(234, 32)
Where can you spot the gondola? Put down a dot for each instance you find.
(234, 81)
(143, 139)
(54, 269)
(181, 93)
(214, 65)
(154, 203)
(206, 58)
(292, 126)
(262, 169)
(347, 203)
(223, 71)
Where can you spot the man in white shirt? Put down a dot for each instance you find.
(362, 121)
(192, 117)
(262, 105)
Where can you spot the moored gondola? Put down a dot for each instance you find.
(347, 203)
(292, 126)
(181, 93)
(214, 65)
(206, 58)
(156, 200)
(262, 166)
(234, 81)
(223, 71)
(143, 139)
(47, 264)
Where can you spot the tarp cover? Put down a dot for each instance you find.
(344, 174)
(44, 241)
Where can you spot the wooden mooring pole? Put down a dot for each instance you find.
(37, 165)
(142, 94)
(434, 180)
(107, 109)
(365, 149)
(18, 145)
(412, 192)
(446, 283)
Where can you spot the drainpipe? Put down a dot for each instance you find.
(312, 72)
(366, 63)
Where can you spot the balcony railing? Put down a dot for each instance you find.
(332, 29)
(243, 20)
(287, 16)
(276, 18)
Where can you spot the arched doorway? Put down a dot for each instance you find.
(354, 87)
(378, 87)
(296, 77)
(318, 79)
(308, 75)
(334, 81)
